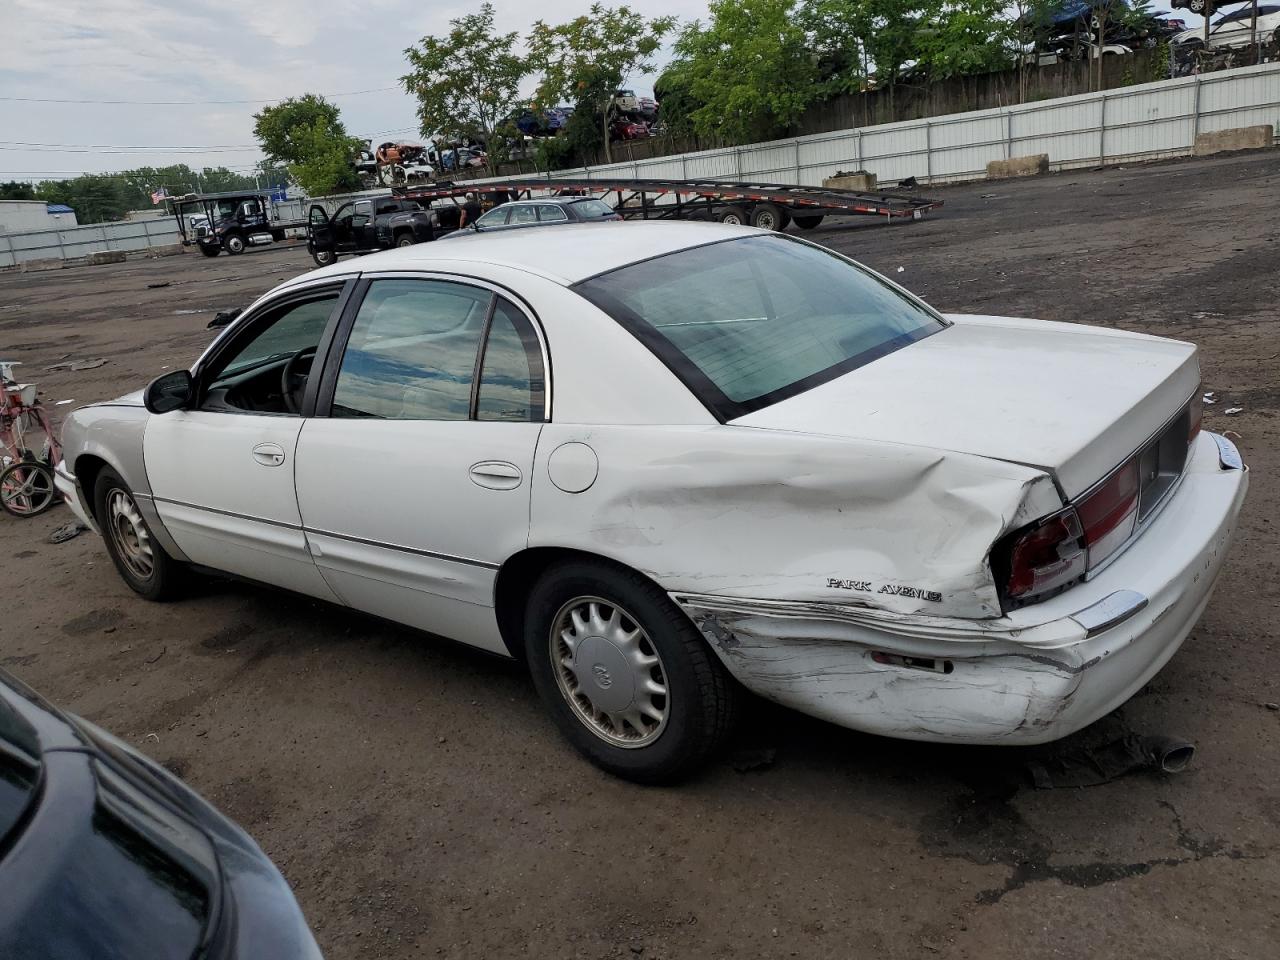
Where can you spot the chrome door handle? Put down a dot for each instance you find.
(269, 454)
(496, 475)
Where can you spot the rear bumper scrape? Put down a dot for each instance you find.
(1032, 676)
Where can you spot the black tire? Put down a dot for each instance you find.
(405, 239)
(807, 222)
(234, 244)
(27, 488)
(701, 699)
(209, 251)
(732, 213)
(165, 580)
(769, 216)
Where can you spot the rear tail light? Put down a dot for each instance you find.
(1109, 515)
(1046, 557)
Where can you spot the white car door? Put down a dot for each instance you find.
(415, 486)
(222, 473)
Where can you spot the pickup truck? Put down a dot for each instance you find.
(365, 226)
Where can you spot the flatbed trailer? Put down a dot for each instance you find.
(768, 205)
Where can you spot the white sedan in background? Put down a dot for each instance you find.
(661, 460)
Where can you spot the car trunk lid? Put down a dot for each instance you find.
(1070, 399)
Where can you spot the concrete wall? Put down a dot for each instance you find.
(71, 243)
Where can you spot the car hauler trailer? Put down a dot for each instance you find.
(768, 205)
(230, 221)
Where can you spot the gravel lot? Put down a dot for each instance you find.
(415, 796)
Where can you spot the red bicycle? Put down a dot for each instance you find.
(28, 448)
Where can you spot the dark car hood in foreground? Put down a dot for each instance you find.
(112, 856)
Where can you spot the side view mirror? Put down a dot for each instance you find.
(170, 391)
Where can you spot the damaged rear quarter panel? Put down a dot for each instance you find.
(736, 511)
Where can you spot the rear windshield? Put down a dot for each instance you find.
(746, 323)
(592, 208)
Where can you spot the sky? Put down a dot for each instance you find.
(162, 51)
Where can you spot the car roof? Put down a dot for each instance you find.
(563, 201)
(565, 255)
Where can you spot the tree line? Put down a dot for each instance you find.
(746, 72)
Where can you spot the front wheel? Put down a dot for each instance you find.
(405, 240)
(807, 222)
(26, 488)
(323, 257)
(209, 251)
(627, 678)
(140, 560)
(1196, 6)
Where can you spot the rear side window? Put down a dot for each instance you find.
(550, 212)
(524, 213)
(746, 323)
(512, 385)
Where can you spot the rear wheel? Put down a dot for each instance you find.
(807, 222)
(732, 213)
(140, 560)
(769, 216)
(627, 678)
(26, 488)
(234, 243)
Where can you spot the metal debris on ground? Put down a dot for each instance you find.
(88, 364)
(222, 318)
(1232, 411)
(67, 532)
(156, 286)
(63, 403)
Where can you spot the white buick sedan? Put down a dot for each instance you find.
(662, 461)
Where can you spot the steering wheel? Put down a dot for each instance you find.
(292, 380)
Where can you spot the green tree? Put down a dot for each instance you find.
(964, 37)
(751, 69)
(16, 190)
(94, 197)
(466, 81)
(882, 35)
(1029, 29)
(585, 60)
(307, 135)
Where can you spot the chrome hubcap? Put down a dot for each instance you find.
(609, 672)
(129, 534)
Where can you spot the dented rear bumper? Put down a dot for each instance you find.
(1034, 675)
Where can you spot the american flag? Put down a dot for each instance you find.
(158, 195)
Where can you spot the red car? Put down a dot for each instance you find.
(624, 129)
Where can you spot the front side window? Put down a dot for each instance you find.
(267, 370)
(494, 218)
(412, 351)
(746, 323)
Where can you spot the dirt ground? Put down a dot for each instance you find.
(419, 802)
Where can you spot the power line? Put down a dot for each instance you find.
(131, 146)
(184, 103)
